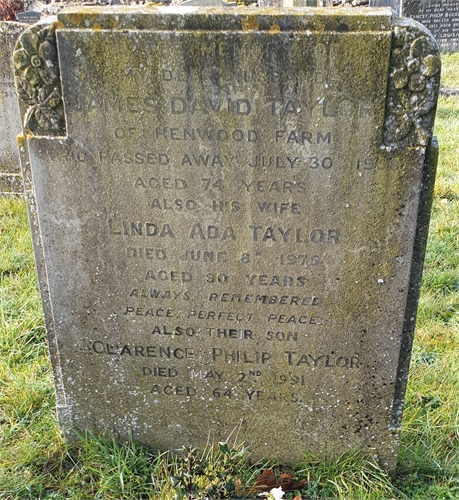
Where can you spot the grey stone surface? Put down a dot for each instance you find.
(230, 221)
(207, 3)
(290, 3)
(394, 4)
(304, 3)
(10, 124)
(441, 17)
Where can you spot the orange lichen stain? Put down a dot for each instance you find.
(274, 29)
(58, 25)
(21, 139)
(76, 18)
(250, 24)
(97, 27)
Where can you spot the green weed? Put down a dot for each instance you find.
(350, 476)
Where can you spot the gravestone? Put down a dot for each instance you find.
(230, 210)
(207, 3)
(394, 4)
(10, 123)
(304, 3)
(29, 17)
(290, 3)
(441, 17)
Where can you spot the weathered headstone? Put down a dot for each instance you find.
(305, 3)
(207, 3)
(230, 220)
(394, 4)
(290, 3)
(10, 123)
(29, 17)
(441, 17)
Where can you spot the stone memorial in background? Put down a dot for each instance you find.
(10, 123)
(230, 210)
(441, 17)
(291, 3)
(301, 3)
(29, 17)
(394, 4)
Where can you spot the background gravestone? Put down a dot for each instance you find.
(395, 4)
(441, 17)
(29, 17)
(10, 123)
(290, 3)
(230, 219)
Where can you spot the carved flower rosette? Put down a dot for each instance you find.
(413, 88)
(38, 81)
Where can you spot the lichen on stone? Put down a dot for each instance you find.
(38, 81)
(413, 87)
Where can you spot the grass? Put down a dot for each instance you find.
(449, 74)
(36, 463)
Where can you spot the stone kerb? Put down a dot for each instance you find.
(10, 124)
(229, 213)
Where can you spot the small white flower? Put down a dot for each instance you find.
(275, 494)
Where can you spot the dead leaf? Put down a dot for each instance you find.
(268, 480)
